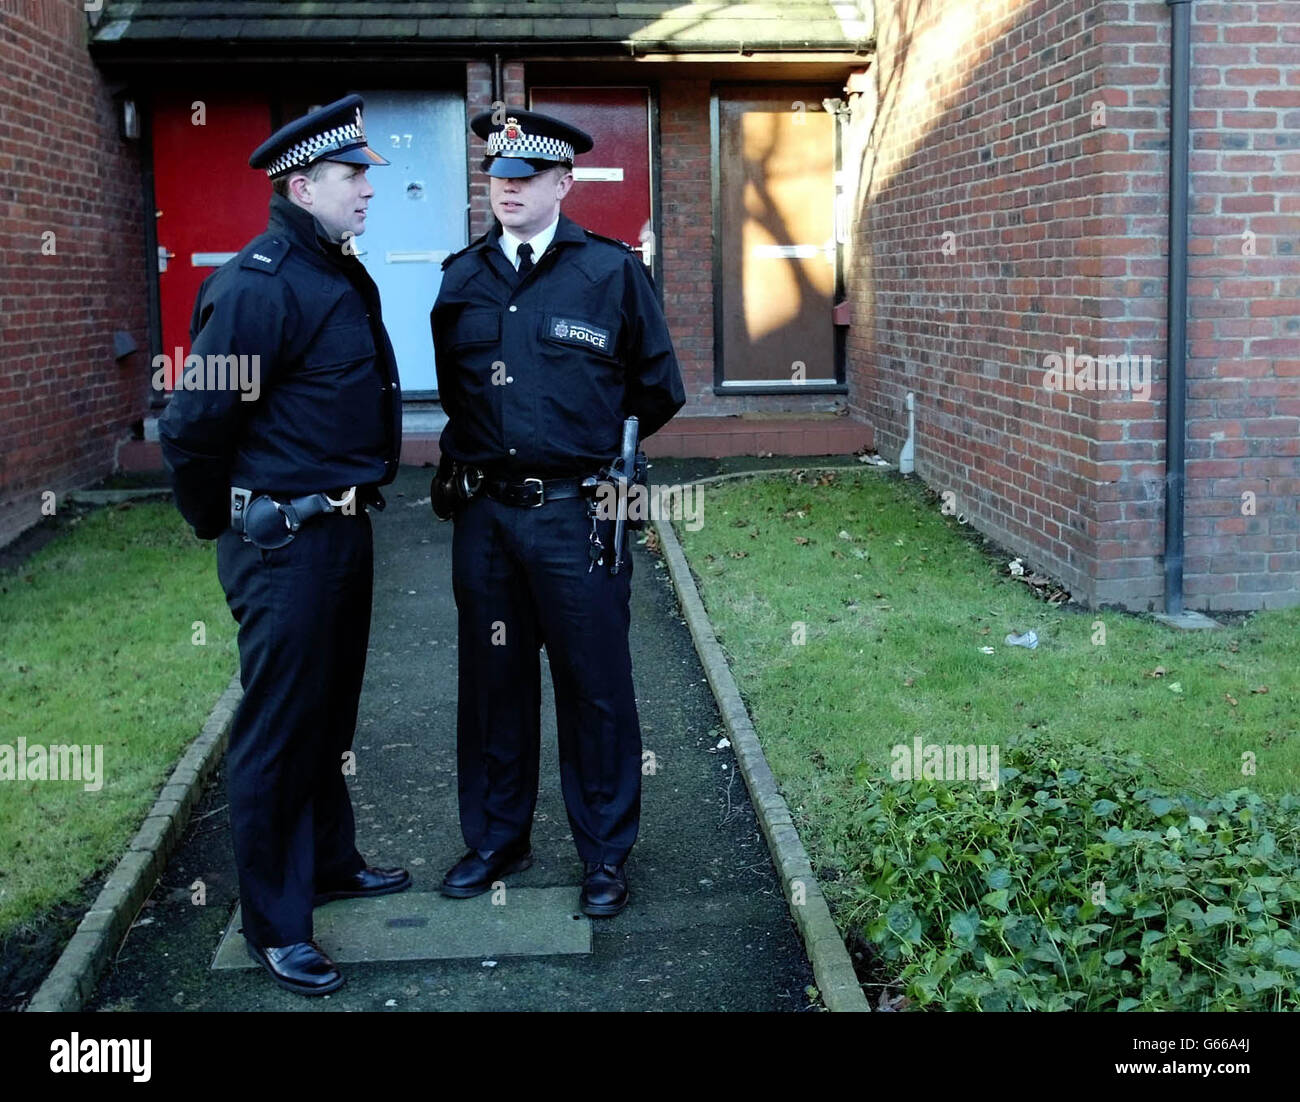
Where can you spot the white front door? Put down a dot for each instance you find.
(416, 219)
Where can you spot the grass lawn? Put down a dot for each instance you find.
(893, 603)
(96, 648)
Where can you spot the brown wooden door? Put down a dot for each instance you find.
(777, 249)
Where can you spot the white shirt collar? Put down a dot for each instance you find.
(540, 243)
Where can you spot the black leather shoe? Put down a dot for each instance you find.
(604, 889)
(301, 967)
(479, 869)
(365, 883)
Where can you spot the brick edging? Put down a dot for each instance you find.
(75, 974)
(832, 968)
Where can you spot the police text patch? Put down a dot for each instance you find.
(580, 332)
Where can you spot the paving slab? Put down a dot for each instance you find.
(522, 922)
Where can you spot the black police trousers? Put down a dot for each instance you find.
(304, 623)
(521, 581)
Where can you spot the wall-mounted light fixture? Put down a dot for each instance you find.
(130, 119)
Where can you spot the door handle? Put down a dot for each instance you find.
(163, 257)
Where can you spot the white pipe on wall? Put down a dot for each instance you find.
(907, 457)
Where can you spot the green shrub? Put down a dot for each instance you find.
(1078, 888)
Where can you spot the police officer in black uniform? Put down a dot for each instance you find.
(547, 337)
(282, 483)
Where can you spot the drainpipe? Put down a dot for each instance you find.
(1176, 390)
(907, 457)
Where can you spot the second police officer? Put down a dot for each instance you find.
(547, 337)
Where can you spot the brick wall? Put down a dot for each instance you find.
(65, 403)
(1243, 398)
(1013, 208)
(687, 246)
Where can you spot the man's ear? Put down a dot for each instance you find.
(300, 188)
(565, 182)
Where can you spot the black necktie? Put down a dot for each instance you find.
(525, 260)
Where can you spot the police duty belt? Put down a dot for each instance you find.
(270, 524)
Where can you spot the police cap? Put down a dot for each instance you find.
(525, 143)
(330, 133)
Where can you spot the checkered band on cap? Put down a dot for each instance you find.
(527, 145)
(312, 149)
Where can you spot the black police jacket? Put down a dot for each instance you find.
(328, 407)
(536, 375)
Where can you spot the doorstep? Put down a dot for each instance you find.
(681, 438)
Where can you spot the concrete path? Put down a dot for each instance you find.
(707, 928)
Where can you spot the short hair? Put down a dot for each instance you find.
(314, 171)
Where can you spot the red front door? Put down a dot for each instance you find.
(612, 193)
(209, 202)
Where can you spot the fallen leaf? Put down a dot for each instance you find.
(801, 540)
(1159, 671)
(1230, 699)
(908, 682)
(1175, 687)
(1261, 689)
(987, 650)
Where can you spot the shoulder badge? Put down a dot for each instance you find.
(608, 240)
(266, 255)
(461, 252)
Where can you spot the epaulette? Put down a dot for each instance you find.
(461, 252)
(267, 255)
(607, 240)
